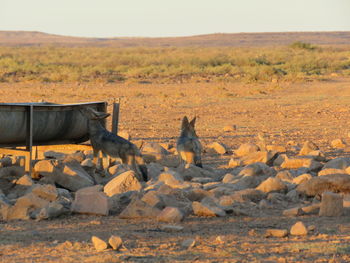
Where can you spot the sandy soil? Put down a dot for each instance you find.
(284, 112)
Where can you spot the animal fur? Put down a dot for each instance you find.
(188, 145)
(111, 144)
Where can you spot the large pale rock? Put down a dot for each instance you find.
(295, 163)
(246, 148)
(171, 215)
(256, 169)
(331, 204)
(25, 180)
(272, 184)
(47, 192)
(298, 229)
(318, 185)
(172, 178)
(338, 144)
(219, 148)
(301, 178)
(276, 232)
(338, 163)
(153, 151)
(90, 201)
(69, 175)
(98, 243)
(153, 199)
(328, 171)
(115, 242)
(261, 156)
(139, 209)
(125, 182)
(308, 147)
(52, 210)
(201, 209)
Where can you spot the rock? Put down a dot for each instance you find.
(115, 242)
(117, 203)
(47, 192)
(264, 204)
(261, 156)
(235, 162)
(170, 215)
(98, 243)
(153, 199)
(90, 201)
(154, 170)
(276, 233)
(285, 176)
(201, 209)
(69, 175)
(256, 169)
(153, 150)
(250, 194)
(139, 209)
(308, 147)
(295, 163)
(311, 209)
(87, 163)
(298, 229)
(219, 148)
(328, 171)
(52, 210)
(78, 156)
(125, 182)
(338, 163)
(293, 196)
(318, 185)
(196, 194)
(295, 211)
(173, 179)
(25, 180)
(276, 148)
(169, 161)
(54, 155)
(301, 178)
(188, 243)
(192, 171)
(338, 144)
(247, 148)
(331, 204)
(229, 178)
(171, 228)
(247, 182)
(272, 184)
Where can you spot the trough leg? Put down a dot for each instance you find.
(29, 140)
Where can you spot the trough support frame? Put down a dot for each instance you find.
(29, 140)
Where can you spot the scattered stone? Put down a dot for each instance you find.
(295, 163)
(230, 128)
(139, 209)
(54, 155)
(124, 182)
(173, 179)
(276, 233)
(25, 180)
(285, 176)
(295, 211)
(338, 144)
(298, 229)
(98, 243)
(117, 203)
(201, 209)
(256, 169)
(52, 210)
(88, 163)
(301, 178)
(170, 215)
(188, 243)
(246, 148)
(339, 183)
(276, 148)
(219, 148)
(235, 162)
(153, 150)
(47, 191)
(308, 147)
(264, 204)
(331, 204)
(328, 171)
(262, 156)
(311, 209)
(90, 201)
(338, 163)
(171, 228)
(272, 184)
(115, 242)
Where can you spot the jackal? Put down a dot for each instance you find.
(188, 145)
(113, 145)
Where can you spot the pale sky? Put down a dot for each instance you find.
(117, 18)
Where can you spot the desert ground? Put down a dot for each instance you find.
(285, 113)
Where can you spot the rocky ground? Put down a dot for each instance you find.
(274, 187)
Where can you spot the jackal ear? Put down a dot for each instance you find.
(185, 122)
(193, 122)
(102, 115)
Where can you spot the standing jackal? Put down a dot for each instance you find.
(188, 146)
(111, 144)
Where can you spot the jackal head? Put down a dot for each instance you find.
(92, 114)
(187, 128)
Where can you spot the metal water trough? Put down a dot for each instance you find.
(25, 125)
